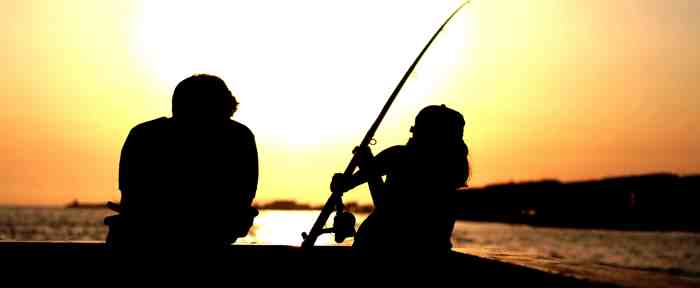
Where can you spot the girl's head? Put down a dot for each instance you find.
(438, 133)
(438, 126)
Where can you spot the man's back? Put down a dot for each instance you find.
(187, 182)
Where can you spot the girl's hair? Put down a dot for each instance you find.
(468, 172)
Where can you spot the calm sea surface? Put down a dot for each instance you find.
(631, 259)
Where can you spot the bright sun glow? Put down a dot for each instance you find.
(549, 89)
(283, 227)
(304, 72)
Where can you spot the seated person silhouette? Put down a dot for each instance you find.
(414, 208)
(187, 182)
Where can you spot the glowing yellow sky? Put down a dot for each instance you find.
(568, 89)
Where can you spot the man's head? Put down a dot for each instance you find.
(203, 97)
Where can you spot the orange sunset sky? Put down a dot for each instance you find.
(567, 89)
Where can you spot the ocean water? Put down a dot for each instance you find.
(627, 258)
(631, 259)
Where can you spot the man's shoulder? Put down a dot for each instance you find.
(240, 128)
(153, 124)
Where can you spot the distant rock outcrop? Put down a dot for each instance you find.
(76, 204)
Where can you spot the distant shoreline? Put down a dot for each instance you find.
(275, 205)
(651, 202)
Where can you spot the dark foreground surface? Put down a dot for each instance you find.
(269, 262)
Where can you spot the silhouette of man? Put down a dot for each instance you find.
(187, 181)
(414, 208)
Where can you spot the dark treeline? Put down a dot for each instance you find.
(648, 202)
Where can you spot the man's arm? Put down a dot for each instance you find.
(248, 181)
(250, 168)
(127, 175)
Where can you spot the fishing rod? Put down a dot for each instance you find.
(344, 223)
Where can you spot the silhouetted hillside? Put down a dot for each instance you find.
(647, 202)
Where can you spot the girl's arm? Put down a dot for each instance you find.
(371, 171)
(342, 183)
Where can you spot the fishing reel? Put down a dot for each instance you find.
(343, 227)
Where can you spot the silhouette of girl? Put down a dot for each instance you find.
(414, 207)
